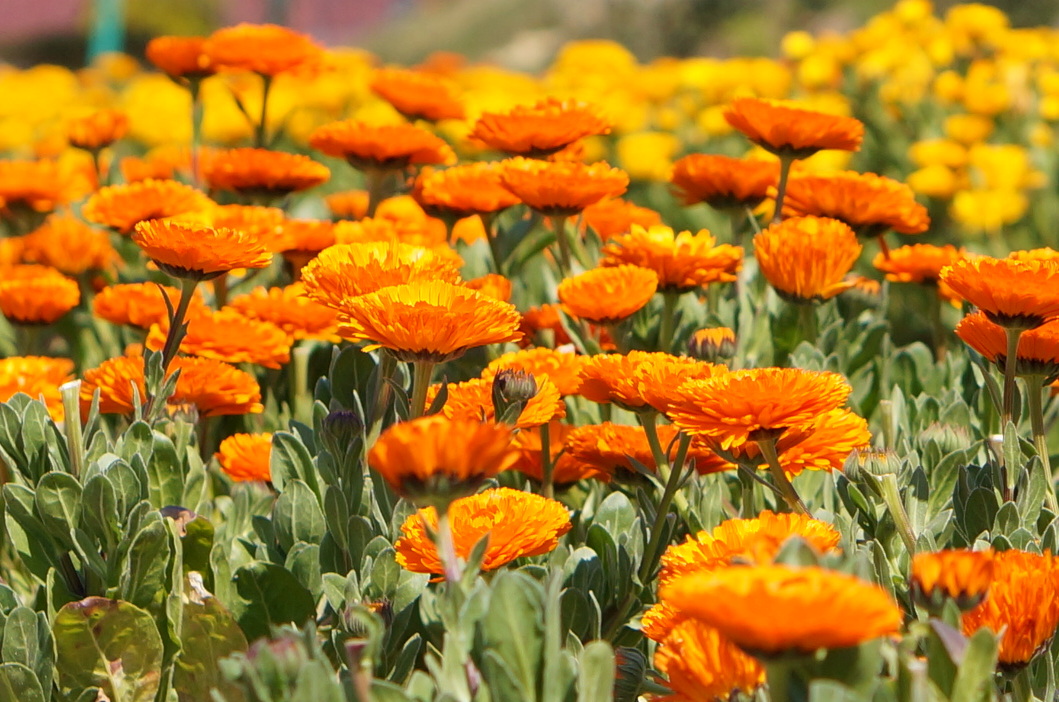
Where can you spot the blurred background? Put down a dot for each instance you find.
(521, 34)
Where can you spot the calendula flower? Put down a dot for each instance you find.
(790, 131)
(289, 309)
(1020, 606)
(417, 94)
(140, 304)
(37, 186)
(428, 320)
(179, 57)
(604, 450)
(517, 525)
(300, 240)
(822, 444)
(682, 261)
(263, 223)
(544, 321)
(561, 367)
(870, 204)
(639, 380)
(561, 188)
(261, 173)
(37, 376)
(527, 443)
(613, 215)
(436, 457)
(1044, 253)
(608, 295)
(97, 130)
(41, 296)
(197, 252)
(68, 244)
(1038, 349)
(267, 49)
(770, 610)
(723, 182)
(387, 147)
(473, 400)
(807, 258)
(918, 263)
(539, 130)
(462, 191)
(712, 344)
(348, 204)
(122, 207)
(732, 408)
(960, 574)
(701, 664)
(245, 457)
(491, 285)
(228, 335)
(1021, 294)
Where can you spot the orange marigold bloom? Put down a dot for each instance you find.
(429, 455)
(264, 223)
(37, 376)
(1042, 254)
(822, 444)
(1011, 293)
(228, 335)
(712, 344)
(179, 57)
(517, 524)
(461, 191)
(40, 296)
(140, 304)
(918, 263)
(417, 94)
(792, 132)
(527, 443)
(425, 232)
(1021, 604)
(348, 204)
(723, 182)
(806, 258)
(69, 245)
(540, 129)
(35, 185)
(245, 457)
(608, 295)
(390, 147)
(289, 309)
(603, 450)
(701, 664)
(738, 406)
(639, 380)
(261, 172)
(122, 207)
(492, 285)
(562, 368)
(1038, 350)
(867, 202)
(561, 188)
(97, 130)
(267, 49)
(473, 399)
(613, 215)
(963, 575)
(196, 252)
(682, 261)
(762, 608)
(304, 238)
(428, 320)
(548, 319)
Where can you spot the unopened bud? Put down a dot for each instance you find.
(512, 389)
(713, 345)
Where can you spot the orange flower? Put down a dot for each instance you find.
(473, 400)
(763, 609)
(701, 664)
(545, 320)
(121, 207)
(419, 232)
(417, 94)
(540, 129)
(428, 320)
(639, 380)
(40, 296)
(791, 132)
(1011, 293)
(34, 185)
(732, 408)
(806, 258)
(604, 450)
(348, 204)
(388, 147)
(436, 456)
(196, 252)
(608, 295)
(300, 239)
(527, 443)
(517, 524)
(963, 575)
(179, 57)
(69, 245)
(262, 173)
(97, 130)
(1038, 350)
(682, 261)
(561, 188)
(560, 367)
(461, 191)
(264, 223)
(613, 215)
(723, 182)
(159, 164)
(140, 304)
(262, 48)
(37, 376)
(712, 344)
(1042, 254)
(289, 309)
(918, 263)
(867, 202)
(822, 444)
(228, 335)
(245, 457)
(491, 285)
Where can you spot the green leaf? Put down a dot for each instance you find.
(165, 473)
(596, 681)
(290, 460)
(144, 581)
(19, 684)
(269, 594)
(297, 516)
(513, 629)
(975, 675)
(58, 505)
(208, 633)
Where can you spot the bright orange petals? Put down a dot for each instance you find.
(732, 408)
(562, 368)
(438, 457)
(527, 443)
(539, 130)
(762, 608)
(121, 207)
(605, 450)
(70, 245)
(682, 261)
(517, 524)
(417, 94)
(1038, 350)
(264, 223)
(40, 297)
(1011, 293)
(723, 182)
(179, 57)
(807, 258)
(640, 379)
(348, 204)
(389, 147)
(289, 309)
(491, 285)
(262, 173)
(869, 203)
(960, 574)
(196, 252)
(789, 131)
(305, 237)
(918, 263)
(37, 376)
(701, 664)
(561, 188)
(822, 444)
(140, 304)
(97, 130)
(267, 49)
(227, 335)
(608, 295)
(473, 400)
(544, 321)
(428, 320)
(461, 191)
(613, 215)
(246, 457)
(36, 185)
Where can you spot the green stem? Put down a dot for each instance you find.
(1034, 390)
(494, 248)
(421, 374)
(651, 553)
(173, 338)
(810, 328)
(383, 394)
(668, 323)
(559, 224)
(781, 188)
(547, 467)
(377, 181)
(1010, 362)
(649, 420)
(891, 495)
(447, 548)
(779, 476)
(71, 398)
(196, 128)
(748, 506)
(938, 331)
(260, 136)
(220, 290)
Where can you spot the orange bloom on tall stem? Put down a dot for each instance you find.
(790, 131)
(608, 295)
(41, 297)
(561, 188)
(461, 191)
(639, 380)
(613, 215)
(473, 399)
(1038, 348)
(260, 173)
(37, 376)
(1012, 293)
(561, 367)
(387, 147)
(198, 253)
(70, 245)
(179, 57)
(289, 309)
(539, 130)
(806, 259)
(266, 49)
(963, 575)
(918, 263)
(97, 130)
(246, 457)
(682, 261)
(723, 182)
(417, 94)
(227, 335)
(121, 207)
(701, 664)
(30, 187)
(140, 304)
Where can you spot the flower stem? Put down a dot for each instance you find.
(1034, 389)
(668, 323)
(494, 247)
(376, 180)
(383, 393)
(194, 85)
(939, 333)
(447, 548)
(1010, 361)
(650, 428)
(781, 188)
(421, 374)
(260, 136)
(547, 467)
(779, 476)
(559, 224)
(810, 328)
(892, 497)
(173, 337)
(651, 554)
(71, 394)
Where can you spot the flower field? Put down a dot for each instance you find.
(691, 380)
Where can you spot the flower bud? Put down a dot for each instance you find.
(341, 432)
(512, 389)
(713, 345)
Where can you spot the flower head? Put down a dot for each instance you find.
(69, 245)
(289, 309)
(461, 191)
(228, 335)
(37, 295)
(608, 295)
(197, 252)
(140, 304)
(561, 367)
(263, 173)
(179, 57)
(701, 664)
(267, 49)
(918, 263)
(97, 130)
(539, 130)
(121, 207)
(417, 94)
(1038, 349)
(1011, 293)
(245, 457)
(682, 261)
(613, 215)
(391, 147)
(561, 188)
(35, 185)
(723, 182)
(473, 400)
(963, 575)
(807, 258)
(37, 376)
(869, 203)
(789, 131)
(639, 380)
(712, 344)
